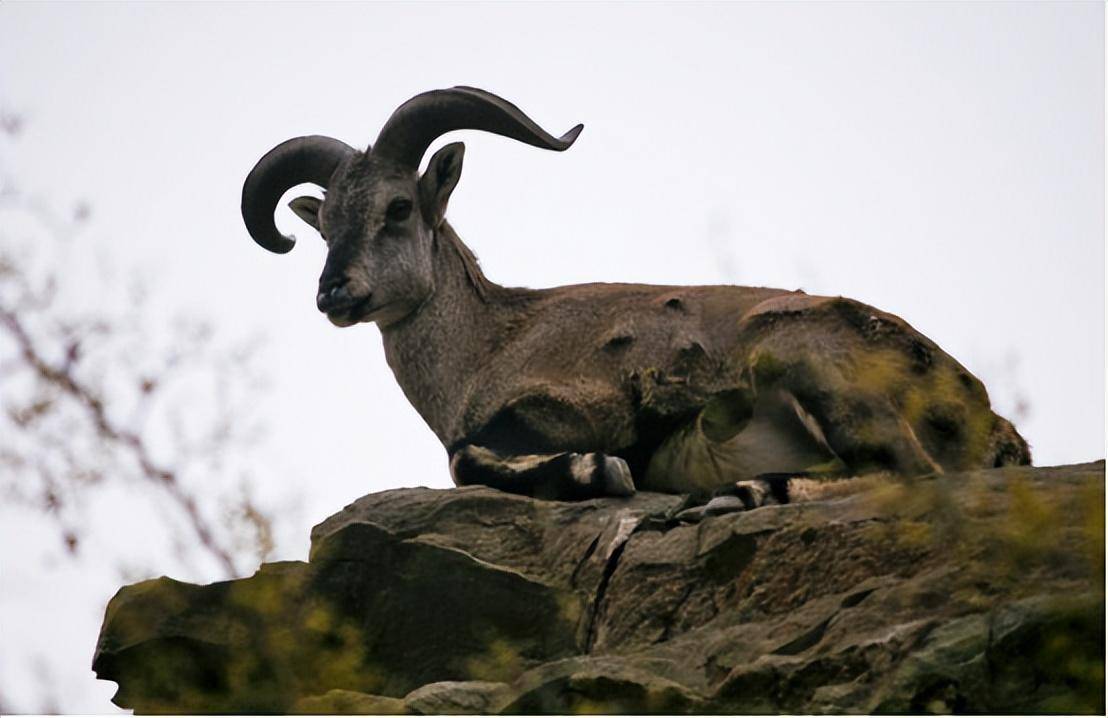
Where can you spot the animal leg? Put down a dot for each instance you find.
(775, 489)
(739, 437)
(744, 495)
(864, 429)
(564, 476)
(865, 380)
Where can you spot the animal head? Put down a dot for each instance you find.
(379, 217)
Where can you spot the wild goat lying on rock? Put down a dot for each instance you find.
(599, 389)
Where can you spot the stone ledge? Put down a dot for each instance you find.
(975, 592)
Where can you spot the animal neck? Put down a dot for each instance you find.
(434, 352)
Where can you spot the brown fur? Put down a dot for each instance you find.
(691, 388)
(628, 369)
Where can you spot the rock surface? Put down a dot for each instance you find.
(976, 592)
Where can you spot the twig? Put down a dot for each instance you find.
(167, 479)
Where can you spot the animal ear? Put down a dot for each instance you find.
(439, 181)
(307, 209)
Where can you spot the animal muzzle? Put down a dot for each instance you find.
(335, 297)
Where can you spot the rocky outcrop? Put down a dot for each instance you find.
(977, 592)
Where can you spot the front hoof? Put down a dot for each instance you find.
(616, 477)
(766, 490)
(752, 494)
(594, 475)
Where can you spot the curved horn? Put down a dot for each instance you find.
(302, 159)
(415, 124)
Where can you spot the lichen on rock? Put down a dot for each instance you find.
(972, 592)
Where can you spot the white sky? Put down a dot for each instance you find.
(944, 162)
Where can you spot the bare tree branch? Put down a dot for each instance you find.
(63, 378)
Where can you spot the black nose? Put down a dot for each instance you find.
(333, 295)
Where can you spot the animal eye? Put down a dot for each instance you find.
(399, 209)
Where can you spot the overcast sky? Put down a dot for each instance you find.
(944, 162)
